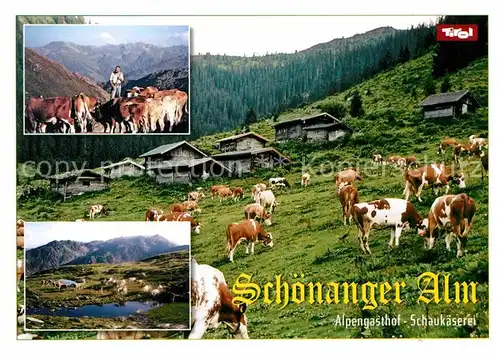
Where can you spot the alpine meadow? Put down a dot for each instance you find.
(311, 242)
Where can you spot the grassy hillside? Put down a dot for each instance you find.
(307, 224)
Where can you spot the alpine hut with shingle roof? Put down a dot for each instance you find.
(449, 104)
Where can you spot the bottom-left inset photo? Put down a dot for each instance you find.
(107, 275)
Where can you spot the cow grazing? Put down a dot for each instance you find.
(238, 193)
(398, 214)
(305, 179)
(394, 160)
(153, 214)
(348, 196)
(445, 144)
(248, 231)
(452, 213)
(259, 187)
(347, 176)
(196, 196)
(54, 111)
(378, 159)
(215, 189)
(257, 212)
(176, 216)
(478, 141)
(185, 206)
(267, 200)
(97, 210)
(224, 193)
(212, 303)
(434, 175)
(278, 182)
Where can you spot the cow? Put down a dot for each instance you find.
(134, 114)
(224, 193)
(477, 140)
(108, 114)
(195, 196)
(147, 92)
(153, 214)
(176, 216)
(212, 303)
(378, 159)
(93, 105)
(435, 175)
(259, 187)
(394, 160)
(154, 116)
(214, 189)
(248, 231)
(347, 176)
(278, 182)
(175, 104)
(305, 179)
(267, 200)
(257, 212)
(55, 111)
(134, 91)
(185, 206)
(398, 214)
(80, 111)
(469, 149)
(410, 161)
(20, 234)
(484, 164)
(348, 196)
(238, 193)
(19, 272)
(97, 210)
(452, 213)
(445, 144)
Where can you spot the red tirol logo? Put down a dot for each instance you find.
(457, 33)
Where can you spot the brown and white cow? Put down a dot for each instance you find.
(435, 175)
(348, 196)
(257, 212)
(44, 112)
(398, 214)
(349, 175)
(19, 272)
(477, 140)
(147, 92)
(215, 189)
(394, 160)
(80, 111)
(177, 216)
(97, 210)
(410, 161)
(196, 196)
(248, 231)
(238, 193)
(153, 214)
(445, 144)
(305, 179)
(259, 187)
(212, 303)
(175, 102)
(377, 158)
(454, 214)
(20, 234)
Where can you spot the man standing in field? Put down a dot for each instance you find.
(116, 79)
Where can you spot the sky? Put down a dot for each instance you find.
(40, 233)
(163, 36)
(246, 35)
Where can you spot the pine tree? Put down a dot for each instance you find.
(429, 86)
(356, 109)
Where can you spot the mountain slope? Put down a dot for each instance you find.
(117, 250)
(97, 62)
(48, 78)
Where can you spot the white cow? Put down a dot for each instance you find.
(267, 200)
(212, 303)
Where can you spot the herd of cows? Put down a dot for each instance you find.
(454, 214)
(144, 110)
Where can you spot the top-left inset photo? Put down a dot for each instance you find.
(106, 79)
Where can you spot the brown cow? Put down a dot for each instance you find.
(258, 212)
(80, 111)
(155, 116)
(224, 193)
(349, 175)
(176, 216)
(20, 272)
(189, 205)
(348, 195)
(153, 214)
(97, 210)
(54, 111)
(445, 144)
(434, 175)
(20, 234)
(454, 213)
(410, 161)
(148, 92)
(248, 231)
(394, 160)
(196, 196)
(214, 189)
(175, 105)
(238, 193)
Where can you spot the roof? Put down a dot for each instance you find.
(183, 163)
(76, 174)
(448, 97)
(249, 153)
(326, 126)
(239, 136)
(303, 119)
(168, 147)
(126, 161)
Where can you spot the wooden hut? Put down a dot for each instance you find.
(241, 142)
(126, 167)
(181, 163)
(246, 161)
(319, 127)
(77, 182)
(449, 104)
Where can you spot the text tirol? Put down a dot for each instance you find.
(430, 287)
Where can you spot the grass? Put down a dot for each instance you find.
(307, 224)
